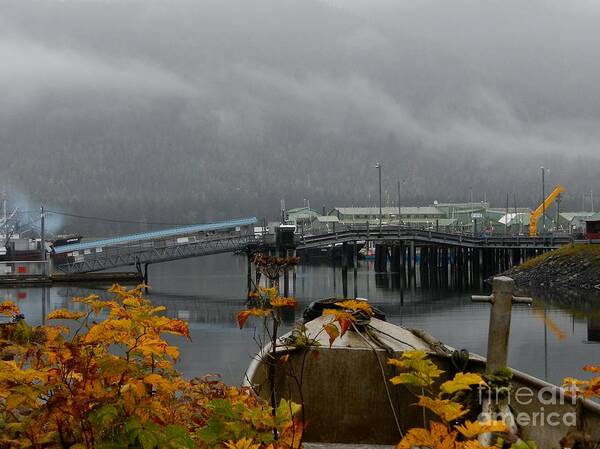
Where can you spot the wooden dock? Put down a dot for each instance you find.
(120, 277)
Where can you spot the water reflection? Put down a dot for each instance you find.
(209, 293)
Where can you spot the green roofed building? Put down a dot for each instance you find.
(425, 214)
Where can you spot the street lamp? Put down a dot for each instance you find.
(400, 183)
(378, 167)
(544, 170)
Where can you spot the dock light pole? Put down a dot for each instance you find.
(543, 170)
(400, 183)
(378, 167)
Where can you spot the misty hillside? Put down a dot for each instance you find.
(189, 111)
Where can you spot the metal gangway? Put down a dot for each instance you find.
(153, 247)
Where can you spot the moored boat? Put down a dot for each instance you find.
(348, 398)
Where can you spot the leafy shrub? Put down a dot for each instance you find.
(111, 383)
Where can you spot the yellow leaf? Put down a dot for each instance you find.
(160, 383)
(172, 351)
(9, 308)
(437, 438)
(417, 369)
(462, 381)
(332, 331)
(63, 314)
(472, 444)
(472, 429)
(355, 305)
(244, 443)
(446, 409)
(14, 400)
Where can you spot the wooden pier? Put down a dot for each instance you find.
(436, 259)
(121, 277)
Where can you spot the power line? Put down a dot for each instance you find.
(114, 220)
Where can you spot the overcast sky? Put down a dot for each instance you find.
(504, 84)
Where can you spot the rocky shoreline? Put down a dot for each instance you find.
(573, 267)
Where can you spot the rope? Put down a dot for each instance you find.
(460, 359)
(387, 390)
(392, 337)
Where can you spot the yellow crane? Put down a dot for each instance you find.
(536, 214)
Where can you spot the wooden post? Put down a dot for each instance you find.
(286, 275)
(498, 336)
(249, 273)
(355, 266)
(500, 315)
(294, 275)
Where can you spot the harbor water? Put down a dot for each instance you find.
(209, 292)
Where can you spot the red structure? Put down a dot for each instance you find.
(592, 228)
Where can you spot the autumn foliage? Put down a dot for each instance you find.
(107, 380)
(451, 429)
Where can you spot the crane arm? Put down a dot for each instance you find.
(536, 214)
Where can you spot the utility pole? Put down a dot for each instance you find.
(592, 199)
(399, 211)
(4, 224)
(506, 220)
(43, 236)
(378, 167)
(516, 211)
(400, 184)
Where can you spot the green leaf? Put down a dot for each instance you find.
(104, 416)
(222, 407)
(147, 439)
(211, 432)
(286, 410)
(524, 445)
(133, 423)
(178, 437)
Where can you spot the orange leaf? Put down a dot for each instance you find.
(63, 314)
(280, 301)
(245, 314)
(332, 331)
(9, 308)
(355, 305)
(438, 437)
(344, 318)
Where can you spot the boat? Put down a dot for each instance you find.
(348, 398)
(68, 239)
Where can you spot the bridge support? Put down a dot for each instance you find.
(249, 271)
(294, 274)
(412, 261)
(381, 255)
(146, 279)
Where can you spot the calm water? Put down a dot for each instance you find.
(208, 292)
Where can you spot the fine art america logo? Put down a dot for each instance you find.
(529, 406)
